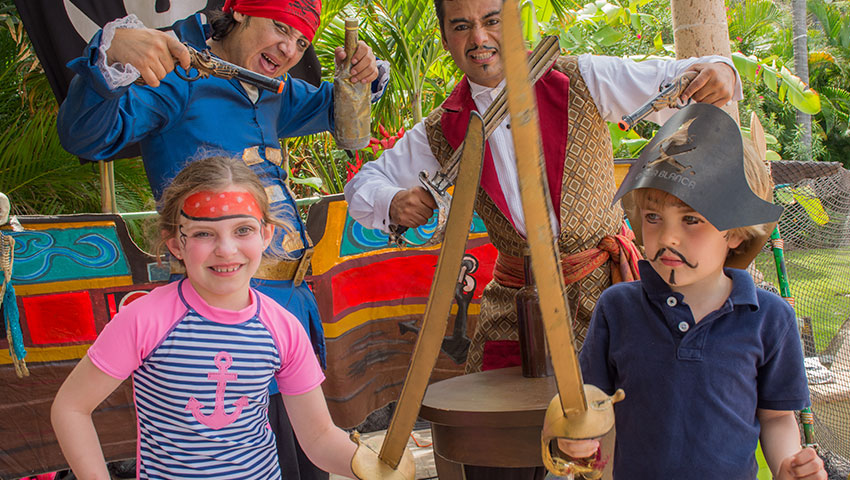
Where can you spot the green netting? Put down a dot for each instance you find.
(815, 229)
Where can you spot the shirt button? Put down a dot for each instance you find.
(683, 326)
(671, 301)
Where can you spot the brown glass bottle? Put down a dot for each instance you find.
(352, 111)
(532, 338)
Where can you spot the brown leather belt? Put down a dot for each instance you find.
(271, 269)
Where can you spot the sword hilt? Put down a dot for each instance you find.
(595, 421)
(367, 465)
(437, 188)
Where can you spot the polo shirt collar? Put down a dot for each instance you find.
(743, 289)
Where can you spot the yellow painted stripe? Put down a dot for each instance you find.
(63, 225)
(47, 354)
(326, 252)
(332, 330)
(354, 320)
(72, 285)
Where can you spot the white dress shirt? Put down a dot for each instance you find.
(618, 87)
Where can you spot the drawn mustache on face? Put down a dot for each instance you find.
(481, 47)
(674, 252)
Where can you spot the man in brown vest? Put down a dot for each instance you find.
(574, 99)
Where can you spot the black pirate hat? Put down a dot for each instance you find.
(698, 157)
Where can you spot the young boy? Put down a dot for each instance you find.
(709, 364)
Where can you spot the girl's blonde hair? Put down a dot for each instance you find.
(214, 173)
(759, 181)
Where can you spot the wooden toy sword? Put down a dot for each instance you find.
(578, 411)
(394, 460)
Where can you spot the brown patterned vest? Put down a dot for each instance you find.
(586, 214)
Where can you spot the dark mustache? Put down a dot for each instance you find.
(483, 47)
(674, 252)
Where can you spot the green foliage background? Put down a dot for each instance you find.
(41, 177)
(37, 174)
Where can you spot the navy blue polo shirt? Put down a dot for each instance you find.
(692, 390)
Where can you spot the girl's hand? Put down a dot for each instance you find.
(578, 448)
(805, 464)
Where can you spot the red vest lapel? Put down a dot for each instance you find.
(553, 112)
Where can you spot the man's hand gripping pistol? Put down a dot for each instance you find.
(668, 97)
(206, 64)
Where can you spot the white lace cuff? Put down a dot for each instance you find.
(383, 79)
(117, 74)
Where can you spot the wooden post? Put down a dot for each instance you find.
(108, 201)
(700, 28)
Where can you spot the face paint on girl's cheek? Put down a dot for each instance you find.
(183, 236)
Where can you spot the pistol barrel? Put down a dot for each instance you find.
(668, 97)
(207, 64)
(260, 81)
(633, 118)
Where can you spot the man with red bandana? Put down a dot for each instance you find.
(175, 121)
(574, 100)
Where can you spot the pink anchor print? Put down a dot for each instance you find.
(219, 419)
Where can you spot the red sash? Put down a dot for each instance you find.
(552, 93)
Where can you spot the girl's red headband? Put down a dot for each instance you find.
(210, 206)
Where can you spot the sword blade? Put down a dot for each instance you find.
(440, 299)
(534, 192)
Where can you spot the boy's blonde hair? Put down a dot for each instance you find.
(759, 181)
(214, 173)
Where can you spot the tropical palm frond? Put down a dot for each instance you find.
(833, 20)
(39, 176)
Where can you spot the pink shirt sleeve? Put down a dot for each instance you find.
(300, 371)
(136, 331)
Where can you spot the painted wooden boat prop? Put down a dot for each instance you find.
(72, 273)
(371, 298)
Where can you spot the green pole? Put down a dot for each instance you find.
(807, 418)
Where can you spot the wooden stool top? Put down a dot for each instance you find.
(495, 398)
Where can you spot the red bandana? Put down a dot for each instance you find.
(301, 14)
(211, 206)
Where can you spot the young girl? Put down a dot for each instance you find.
(203, 350)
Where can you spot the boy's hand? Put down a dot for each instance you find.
(805, 464)
(578, 448)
